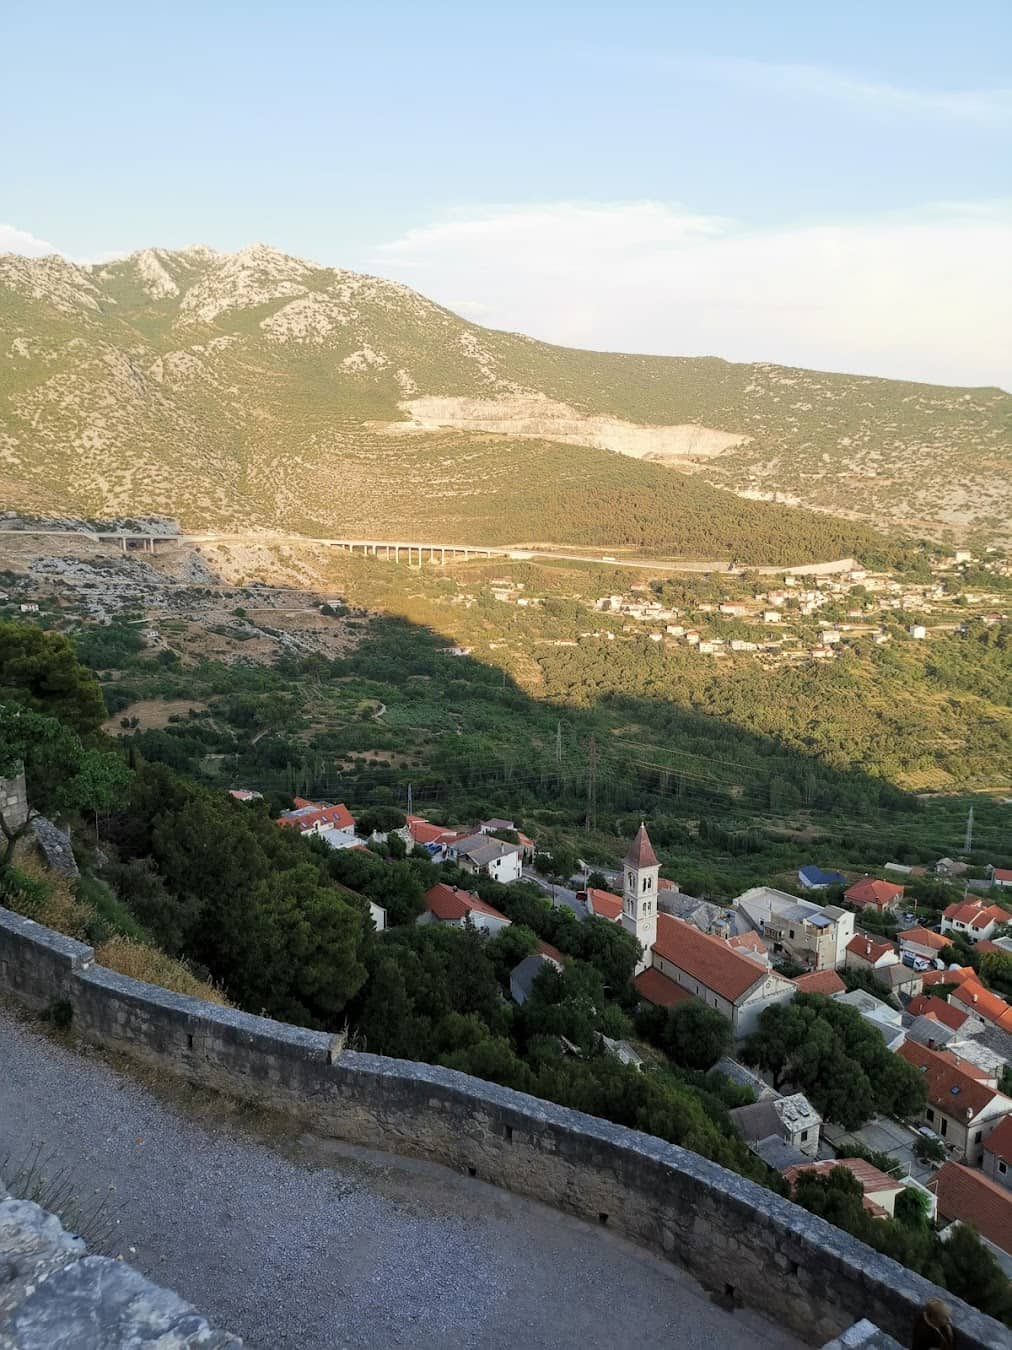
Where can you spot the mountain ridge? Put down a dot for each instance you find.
(257, 386)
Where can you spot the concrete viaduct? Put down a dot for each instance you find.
(392, 550)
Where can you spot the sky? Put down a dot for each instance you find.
(818, 185)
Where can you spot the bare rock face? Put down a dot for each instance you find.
(533, 416)
(56, 847)
(157, 281)
(53, 1294)
(53, 279)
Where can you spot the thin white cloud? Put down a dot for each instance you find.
(978, 107)
(13, 240)
(924, 296)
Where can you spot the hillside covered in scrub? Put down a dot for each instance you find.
(258, 391)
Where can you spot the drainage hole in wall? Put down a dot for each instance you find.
(509, 1134)
(472, 1171)
(602, 1218)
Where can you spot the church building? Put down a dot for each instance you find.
(678, 962)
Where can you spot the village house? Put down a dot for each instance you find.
(335, 825)
(434, 839)
(880, 896)
(812, 935)
(528, 847)
(772, 616)
(485, 856)
(245, 795)
(879, 1189)
(792, 1120)
(741, 1074)
(950, 867)
(676, 955)
(460, 909)
(525, 972)
(602, 904)
(887, 1021)
(866, 953)
(928, 1006)
(825, 982)
(702, 914)
(966, 1195)
(982, 1005)
(973, 920)
(921, 942)
(962, 1107)
(997, 1162)
(1001, 877)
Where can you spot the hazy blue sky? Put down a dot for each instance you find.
(418, 139)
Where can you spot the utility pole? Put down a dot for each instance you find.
(968, 841)
(409, 800)
(558, 742)
(592, 786)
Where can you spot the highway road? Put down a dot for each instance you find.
(394, 547)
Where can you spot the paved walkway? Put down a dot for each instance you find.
(319, 1246)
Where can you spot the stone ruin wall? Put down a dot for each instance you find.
(743, 1242)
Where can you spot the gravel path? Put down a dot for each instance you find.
(320, 1246)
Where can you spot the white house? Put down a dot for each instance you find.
(973, 920)
(481, 854)
(335, 825)
(460, 909)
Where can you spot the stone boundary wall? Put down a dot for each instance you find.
(746, 1244)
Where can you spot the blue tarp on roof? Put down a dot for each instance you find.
(815, 876)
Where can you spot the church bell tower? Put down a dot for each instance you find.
(639, 894)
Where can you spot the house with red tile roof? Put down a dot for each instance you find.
(880, 1189)
(433, 838)
(866, 953)
(966, 1195)
(997, 1162)
(460, 909)
(334, 824)
(602, 904)
(921, 942)
(982, 1004)
(927, 1005)
(951, 975)
(826, 982)
(961, 1107)
(1000, 876)
(751, 945)
(880, 896)
(973, 920)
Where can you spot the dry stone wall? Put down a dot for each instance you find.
(743, 1242)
